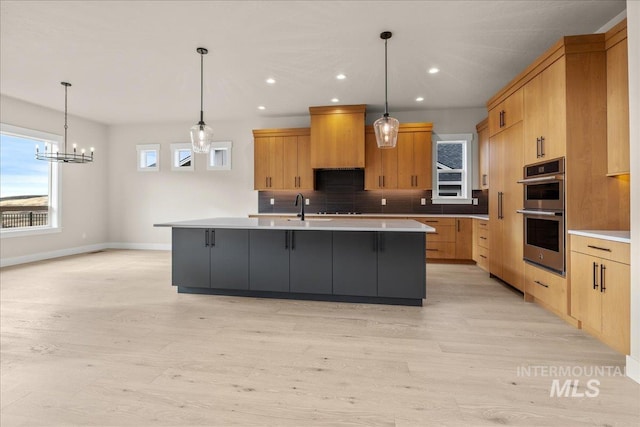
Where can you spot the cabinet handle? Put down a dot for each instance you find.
(458, 223)
(375, 242)
(599, 248)
(206, 238)
(482, 256)
(381, 244)
(500, 205)
(266, 182)
(542, 146)
(293, 239)
(431, 221)
(603, 268)
(483, 238)
(286, 239)
(380, 181)
(213, 237)
(484, 179)
(595, 272)
(540, 283)
(538, 147)
(432, 250)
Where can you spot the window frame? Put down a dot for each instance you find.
(175, 159)
(466, 196)
(54, 210)
(143, 148)
(220, 146)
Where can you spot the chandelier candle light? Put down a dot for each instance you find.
(386, 128)
(201, 134)
(64, 157)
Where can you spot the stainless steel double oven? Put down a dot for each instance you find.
(544, 214)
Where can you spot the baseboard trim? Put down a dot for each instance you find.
(41, 256)
(633, 369)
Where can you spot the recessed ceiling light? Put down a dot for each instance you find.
(433, 70)
(341, 76)
(335, 100)
(271, 80)
(419, 99)
(261, 107)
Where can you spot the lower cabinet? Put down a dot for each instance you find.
(600, 289)
(401, 269)
(355, 258)
(546, 288)
(452, 239)
(210, 258)
(269, 260)
(481, 243)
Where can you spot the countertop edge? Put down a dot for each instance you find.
(622, 236)
(373, 216)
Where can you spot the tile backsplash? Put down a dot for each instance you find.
(343, 191)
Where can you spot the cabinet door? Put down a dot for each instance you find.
(354, 263)
(269, 260)
(401, 265)
(405, 160)
(190, 257)
(513, 109)
(310, 262)
(229, 258)
(483, 155)
(618, 109)
(496, 176)
(373, 162)
(464, 238)
(276, 163)
(586, 303)
(533, 123)
(261, 156)
(305, 172)
(554, 125)
(290, 162)
(615, 294)
(422, 160)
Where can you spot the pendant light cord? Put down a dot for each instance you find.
(386, 104)
(65, 118)
(201, 88)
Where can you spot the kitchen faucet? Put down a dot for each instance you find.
(300, 197)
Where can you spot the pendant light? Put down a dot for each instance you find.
(64, 157)
(201, 134)
(386, 128)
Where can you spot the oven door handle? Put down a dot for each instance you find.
(541, 179)
(545, 213)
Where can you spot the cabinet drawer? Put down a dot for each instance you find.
(483, 238)
(483, 258)
(444, 233)
(547, 287)
(435, 222)
(606, 249)
(440, 250)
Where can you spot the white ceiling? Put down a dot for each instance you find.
(136, 61)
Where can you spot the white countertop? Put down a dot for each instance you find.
(369, 215)
(623, 236)
(327, 224)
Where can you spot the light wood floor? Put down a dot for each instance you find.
(104, 340)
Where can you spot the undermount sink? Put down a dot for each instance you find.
(309, 219)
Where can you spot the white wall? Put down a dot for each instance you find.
(83, 190)
(633, 39)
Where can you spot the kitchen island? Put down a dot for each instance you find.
(330, 259)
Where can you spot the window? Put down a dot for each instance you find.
(181, 157)
(148, 157)
(452, 177)
(220, 156)
(29, 193)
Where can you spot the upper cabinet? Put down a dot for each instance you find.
(406, 167)
(483, 154)
(506, 113)
(617, 100)
(281, 159)
(545, 114)
(337, 136)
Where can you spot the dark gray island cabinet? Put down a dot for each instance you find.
(341, 261)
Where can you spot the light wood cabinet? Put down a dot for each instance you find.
(600, 287)
(483, 154)
(298, 174)
(545, 114)
(546, 288)
(406, 167)
(337, 136)
(281, 159)
(451, 241)
(505, 197)
(381, 171)
(617, 100)
(480, 251)
(506, 113)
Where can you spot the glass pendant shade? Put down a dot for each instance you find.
(201, 138)
(386, 129)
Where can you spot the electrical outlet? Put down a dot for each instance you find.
(306, 202)
(384, 202)
(423, 201)
(475, 200)
(272, 201)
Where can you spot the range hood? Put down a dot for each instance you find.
(337, 137)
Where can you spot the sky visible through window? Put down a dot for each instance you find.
(20, 173)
